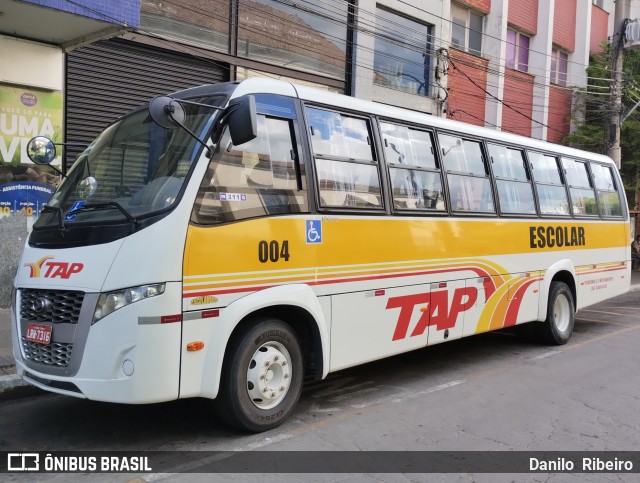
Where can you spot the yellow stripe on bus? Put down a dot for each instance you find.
(234, 249)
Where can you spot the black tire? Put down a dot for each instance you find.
(266, 355)
(558, 326)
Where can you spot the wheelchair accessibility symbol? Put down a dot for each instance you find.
(314, 231)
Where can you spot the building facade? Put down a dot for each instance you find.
(71, 68)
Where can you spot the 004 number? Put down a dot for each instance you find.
(273, 251)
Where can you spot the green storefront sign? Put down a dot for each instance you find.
(25, 113)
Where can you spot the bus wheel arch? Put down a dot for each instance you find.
(560, 306)
(562, 271)
(301, 321)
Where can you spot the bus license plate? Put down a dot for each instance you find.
(39, 333)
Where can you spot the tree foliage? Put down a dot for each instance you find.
(593, 111)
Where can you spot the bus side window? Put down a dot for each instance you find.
(608, 196)
(346, 169)
(467, 175)
(416, 182)
(256, 178)
(552, 195)
(515, 193)
(583, 196)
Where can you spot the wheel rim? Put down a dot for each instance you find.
(269, 375)
(562, 313)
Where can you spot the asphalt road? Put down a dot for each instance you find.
(492, 392)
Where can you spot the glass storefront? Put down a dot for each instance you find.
(309, 36)
(196, 22)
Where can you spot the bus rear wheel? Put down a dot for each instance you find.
(558, 326)
(262, 378)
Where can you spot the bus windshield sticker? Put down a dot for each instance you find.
(76, 206)
(233, 197)
(314, 231)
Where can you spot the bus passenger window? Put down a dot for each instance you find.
(416, 182)
(348, 184)
(515, 193)
(461, 155)
(470, 186)
(346, 170)
(583, 196)
(470, 194)
(407, 146)
(552, 195)
(414, 190)
(608, 196)
(333, 134)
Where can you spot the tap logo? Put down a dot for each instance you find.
(53, 269)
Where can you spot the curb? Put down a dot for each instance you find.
(12, 387)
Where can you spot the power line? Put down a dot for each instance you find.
(501, 101)
(347, 43)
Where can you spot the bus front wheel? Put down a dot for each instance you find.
(262, 378)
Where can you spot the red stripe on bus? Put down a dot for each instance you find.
(511, 316)
(478, 271)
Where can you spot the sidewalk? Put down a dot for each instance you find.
(11, 385)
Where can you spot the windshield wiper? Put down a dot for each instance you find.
(104, 206)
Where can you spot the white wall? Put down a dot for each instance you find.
(431, 12)
(494, 49)
(31, 64)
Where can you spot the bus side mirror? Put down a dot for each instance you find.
(41, 150)
(243, 120)
(167, 112)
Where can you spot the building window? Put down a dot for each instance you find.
(599, 3)
(466, 29)
(517, 51)
(403, 53)
(309, 36)
(188, 21)
(559, 63)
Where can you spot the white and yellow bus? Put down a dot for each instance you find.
(231, 240)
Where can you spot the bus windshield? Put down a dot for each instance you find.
(131, 170)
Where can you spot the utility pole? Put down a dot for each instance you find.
(615, 107)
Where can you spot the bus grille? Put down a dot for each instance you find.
(54, 354)
(64, 306)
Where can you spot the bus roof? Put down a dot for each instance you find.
(339, 101)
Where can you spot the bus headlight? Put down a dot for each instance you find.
(112, 301)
